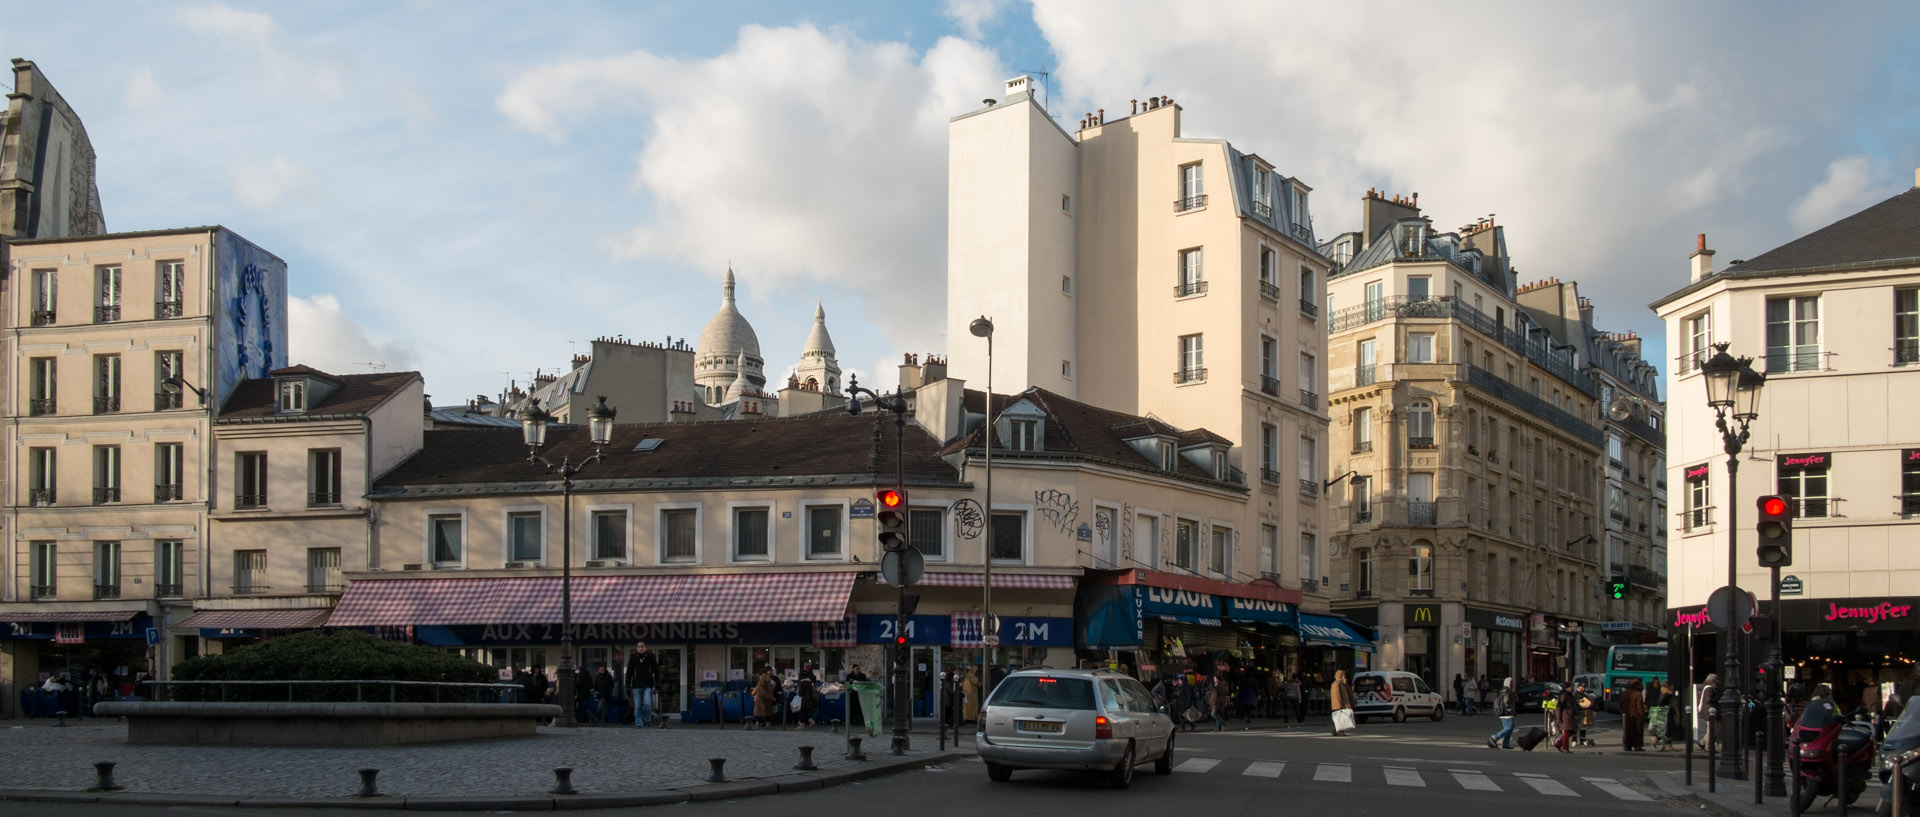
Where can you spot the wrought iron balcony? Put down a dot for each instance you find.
(331, 585)
(316, 498)
(40, 497)
(1301, 232)
(1269, 291)
(1270, 385)
(166, 493)
(1363, 447)
(106, 405)
(1906, 351)
(1270, 476)
(1309, 584)
(250, 589)
(1420, 513)
(167, 591)
(1262, 209)
(166, 309)
(1309, 487)
(1363, 516)
(41, 407)
(1309, 399)
(1793, 359)
(43, 591)
(106, 314)
(163, 400)
(1186, 288)
(43, 317)
(105, 496)
(1185, 203)
(250, 500)
(1420, 443)
(1696, 518)
(1197, 374)
(106, 592)
(1309, 308)
(1363, 375)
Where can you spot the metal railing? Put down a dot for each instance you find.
(1420, 443)
(1814, 507)
(1186, 288)
(1363, 447)
(1309, 584)
(1644, 576)
(337, 691)
(323, 498)
(1197, 374)
(1696, 518)
(1364, 375)
(43, 591)
(1270, 476)
(1270, 385)
(41, 407)
(40, 497)
(106, 314)
(1309, 308)
(1528, 402)
(1906, 351)
(1185, 203)
(1309, 399)
(166, 493)
(1419, 512)
(103, 496)
(1301, 232)
(106, 592)
(163, 400)
(329, 586)
(1262, 209)
(1793, 360)
(43, 317)
(1909, 505)
(250, 589)
(168, 591)
(106, 404)
(1363, 516)
(1309, 487)
(250, 500)
(1445, 307)
(1269, 291)
(166, 309)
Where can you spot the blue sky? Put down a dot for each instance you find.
(464, 188)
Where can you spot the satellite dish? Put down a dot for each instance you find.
(1621, 409)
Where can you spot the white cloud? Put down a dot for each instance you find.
(142, 91)
(281, 58)
(322, 335)
(262, 184)
(1850, 186)
(228, 23)
(971, 15)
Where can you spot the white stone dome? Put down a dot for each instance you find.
(728, 334)
(817, 340)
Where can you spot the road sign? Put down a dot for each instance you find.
(1722, 599)
(1791, 586)
(902, 568)
(991, 641)
(1787, 672)
(153, 636)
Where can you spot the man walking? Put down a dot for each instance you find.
(643, 674)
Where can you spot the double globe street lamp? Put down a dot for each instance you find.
(533, 424)
(1733, 392)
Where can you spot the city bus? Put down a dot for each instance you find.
(1647, 662)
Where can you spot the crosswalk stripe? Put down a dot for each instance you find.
(1475, 781)
(1547, 785)
(1613, 787)
(1198, 764)
(1261, 768)
(1404, 777)
(1333, 773)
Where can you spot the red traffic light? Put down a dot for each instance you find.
(900, 639)
(1773, 506)
(890, 498)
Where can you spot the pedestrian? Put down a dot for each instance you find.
(643, 675)
(1272, 685)
(1482, 688)
(1633, 715)
(1660, 715)
(1571, 712)
(1185, 712)
(1219, 698)
(972, 684)
(1339, 697)
(1249, 696)
(1710, 697)
(603, 693)
(1459, 694)
(1583, 712)
(1503, 707)
(1297, 695)
(806, 688)
(766, 695)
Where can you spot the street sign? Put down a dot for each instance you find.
(991, 641)
(1791, 586)
(1726, 613)
(902, 568)
(1787, 672)
(153, 636)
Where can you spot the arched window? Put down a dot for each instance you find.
(1362, 430)
(1420, 424)
(1420, 567)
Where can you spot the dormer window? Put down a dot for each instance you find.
(293, 395)
(1219, 468)
(1166, 455)
(1023, 435)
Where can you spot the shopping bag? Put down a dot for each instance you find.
(1342, 720)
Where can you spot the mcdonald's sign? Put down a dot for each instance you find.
(1422, 615)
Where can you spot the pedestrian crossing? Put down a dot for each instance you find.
(1473, 780)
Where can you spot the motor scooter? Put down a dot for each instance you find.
(1902, 739)
(1821, 739)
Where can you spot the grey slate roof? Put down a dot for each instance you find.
(1886, 235)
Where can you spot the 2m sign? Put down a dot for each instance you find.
(886, 630)
(1029, 632)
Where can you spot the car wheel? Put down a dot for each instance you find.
(998, 773)
(1164, 765)
(1122, 775)
(1399, 714)
(1439, 712)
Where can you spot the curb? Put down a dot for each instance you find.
(877, 766)
(1720, 802)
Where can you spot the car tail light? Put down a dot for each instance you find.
(1102, 728)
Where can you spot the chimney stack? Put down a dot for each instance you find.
(1702, 259)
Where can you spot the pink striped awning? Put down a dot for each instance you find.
(738, 597)
(285, 619)
(82, 615)
(1009, 581)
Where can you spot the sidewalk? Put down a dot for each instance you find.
(1735, 797)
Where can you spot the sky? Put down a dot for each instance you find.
(475, 189)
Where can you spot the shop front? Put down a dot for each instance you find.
(1158, 625)
(38, 644)
(1855, 645)
(1498, 633)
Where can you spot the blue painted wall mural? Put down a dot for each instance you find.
(250, 313)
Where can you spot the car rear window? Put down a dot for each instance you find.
(1043, 691)
(1370, 683)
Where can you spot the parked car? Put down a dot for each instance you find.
(1395, 695)
(1529, 697)
(1089, 720)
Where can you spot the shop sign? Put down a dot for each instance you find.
(1084, 533)
(1699, 471)
(775, 632)
(1884, 611)
(1791, 586)
(1421, 615)
(1028, 630)
(1690, 618)
(1801, 462)
(1175, 602)
(1493, 620)
(134, 628)
(1910, 454)
(1615, 626)
(1241, 609)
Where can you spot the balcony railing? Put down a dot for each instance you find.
(1197, 374)
(43, 591)
(1269, 291)
(1309, 399)
(1419, 513)
(1696, 518)
(106, 404)
(250, 500)
(1531, 404)
(1186, 288)
(166, 493)
(1420, 443)
(1813, 507)
(1262, 209)
(163, 400)
(1309, 308)
(1309, 487)
(249, 589)
(166, 309)
(1270, 385)
(1363, 375)
(1447, 308)
(43, 317)
(1185, 203)
(1363, 593)
(1301, 232)
(168, 591)
(40, 497)
(1363, 516)
(106, 592)
(1363, 447)
(1793, 359)
(1906, 351)
(41, 407)
(1643, 576)
(1309, 584)
(106, 314)
(323, 498)
(330, 585)
(105, 496)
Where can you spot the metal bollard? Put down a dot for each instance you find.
(853, 752)
(1759, 761)
(368, 788)
(1689, 749)
(806, 760)
(1899, 780)
(103, 777)
(899, 745)
(1840, 789)
(62, 715)
(719, 774)
(563, 781)
(1713, 769)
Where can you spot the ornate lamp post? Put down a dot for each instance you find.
(533, 424)
(982, 327)
(1733, 392)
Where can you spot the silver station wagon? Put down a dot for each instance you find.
(1089, 720)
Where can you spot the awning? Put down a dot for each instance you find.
(71, 615)
(1327, 631)
(281, 619)
(739, 597)
(1007, 581)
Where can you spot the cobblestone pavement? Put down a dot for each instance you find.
(604, 759)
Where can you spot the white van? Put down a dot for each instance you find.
(1395, 694)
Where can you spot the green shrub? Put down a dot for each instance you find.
(325, 655)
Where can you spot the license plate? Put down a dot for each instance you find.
(1040, 726)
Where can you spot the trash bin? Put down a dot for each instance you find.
(867, 698)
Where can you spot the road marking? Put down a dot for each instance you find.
(1547, 785)
(1262, 768)
(1404, 777)
(1333, 773)
(1198, 764)
(1475, 781)
(1613, 787)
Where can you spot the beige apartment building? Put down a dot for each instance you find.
(121, 347)
(1833, 319)
(1465, 529)
(1128, 266)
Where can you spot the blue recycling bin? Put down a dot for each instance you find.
(833, 707)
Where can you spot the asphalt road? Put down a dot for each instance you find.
(1419, 767)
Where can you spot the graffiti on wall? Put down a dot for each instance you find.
(250, 326)
(1058, 508)
(967, 519)
(1126, 533)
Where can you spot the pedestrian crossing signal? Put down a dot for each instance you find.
(1617, 588)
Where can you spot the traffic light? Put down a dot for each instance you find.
(1776, 532)
(891, 515)
(1616, 588)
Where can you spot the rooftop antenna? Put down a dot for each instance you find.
(1046, 91)
(378, 367)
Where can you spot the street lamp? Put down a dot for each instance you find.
(1733, 392)
(533, 424)
(982, 327)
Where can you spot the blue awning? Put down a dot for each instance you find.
(1327, 631)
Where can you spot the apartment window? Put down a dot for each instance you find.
(45, 569)
(1309, 559)
(106, 570)
(1906, 326)
(823, 530)
(1183, 542)
(1009, 536)
(1803, 481)
(1376, 301)
(1910, 482)
(1269, 366)
(1699, 330)
(1024, 435)
(43, 389)
(1420, 347)
(1534, 386)
(1309, 381)
(1793, 334)
(1269, 453)
(1699, 512)
(1190, 282)
(106, 384)
(323, 476)
(679, 534)
(252, 482)
(249, 572)
(107, 310)
(106, 474)
(1364, 359)
(167, 367)
(1307, 299)
(610, 534)
(1193, 362)
(1363, 572)
(1420, 568)
(1166, 455)
(1221, 548)
(1193, 192)
(45, 296)
(293, 395)
(323, 570)
(1419, 288)
(171, 277)
(449, 538)
(1362, 430)
(1299, 208)
(1420, 425)
(1262, 192)
(43, 473)
(750, 534)
(524, 540)
(1362, 498)
(1309, 465)
(1066, 285)
(169, 568)
(169, 470)
(1616, 446)
(926, 532)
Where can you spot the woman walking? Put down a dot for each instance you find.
(765, 696)
(1567, 711)
(1220, 699)
(1633, 712)
(1340, 696)
(1503, 705)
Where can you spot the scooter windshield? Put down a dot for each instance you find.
(1905, 733)
(1820, 715)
